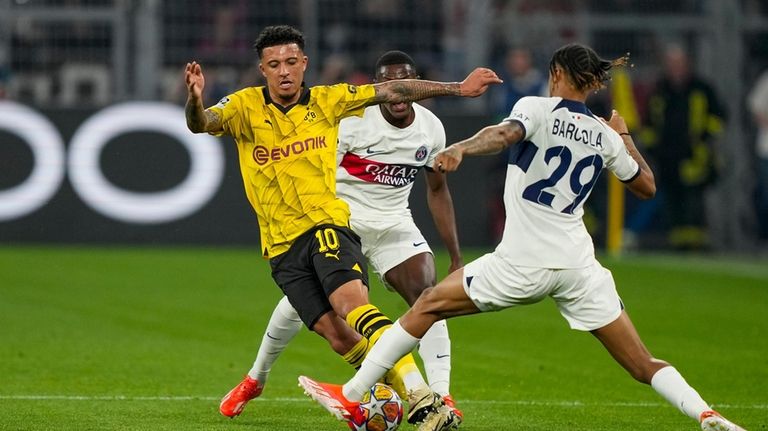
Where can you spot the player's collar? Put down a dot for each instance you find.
(303, 100)
(574, 106)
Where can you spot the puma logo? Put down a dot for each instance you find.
(333, 255)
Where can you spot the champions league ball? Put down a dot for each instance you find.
(383, 409)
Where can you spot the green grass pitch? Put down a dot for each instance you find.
(151, 338)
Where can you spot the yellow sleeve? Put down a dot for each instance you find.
(229, 110)
(344, 100)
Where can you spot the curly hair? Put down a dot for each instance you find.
(275, 35)
(584, 67)
(394, 57)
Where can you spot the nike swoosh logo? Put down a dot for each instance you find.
(270, 336)
(416, 244)
(442, 356)
(369, 151)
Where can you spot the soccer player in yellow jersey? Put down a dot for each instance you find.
(286, 137)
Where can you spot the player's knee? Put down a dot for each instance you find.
(428, 305)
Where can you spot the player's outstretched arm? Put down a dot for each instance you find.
(644, 185)
(410, 90)
(198, 118)
(490, 140)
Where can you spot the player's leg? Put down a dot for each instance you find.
(446, 299)
(344, 275)
(403, 375)
(305, 302)
(283, 325)
(587, 298)
(623, 342)
(402, 257)
(488, 283)
(409, 279)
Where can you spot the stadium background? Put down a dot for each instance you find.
(63, 63)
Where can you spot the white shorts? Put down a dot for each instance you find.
(586, 297)
(388, 243)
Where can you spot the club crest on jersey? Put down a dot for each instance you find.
(421, 153)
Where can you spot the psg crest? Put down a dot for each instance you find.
(421, 153)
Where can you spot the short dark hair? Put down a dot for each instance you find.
(394, 57)
(275, 35)
(585, 68)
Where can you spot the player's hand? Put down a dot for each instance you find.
(193, 77)
(617, 122)
(449, 159)
(477, 82)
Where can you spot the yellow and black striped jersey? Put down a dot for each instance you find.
(288, 156)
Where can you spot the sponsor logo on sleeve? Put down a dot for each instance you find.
(223, 102)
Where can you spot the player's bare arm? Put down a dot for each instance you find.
(644, 186)
(489, 140)
(199, 119)
(410, 90)
(441, 206)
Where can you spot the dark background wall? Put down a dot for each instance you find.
(150, 162)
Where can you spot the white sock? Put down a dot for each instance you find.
(672, 386)
(435, 352)
(414, 380)
(394, 343)
(282, 327)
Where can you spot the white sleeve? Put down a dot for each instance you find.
(617, 158)
(527, 112)
(345, 136)
(438, 141)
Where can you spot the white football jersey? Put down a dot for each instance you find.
(551, 173)
(379, 162)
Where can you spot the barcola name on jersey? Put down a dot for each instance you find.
(568, 130)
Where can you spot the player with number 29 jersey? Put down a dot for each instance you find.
(557, 149)
(554, 170)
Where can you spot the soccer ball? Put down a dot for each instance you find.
(383, 409)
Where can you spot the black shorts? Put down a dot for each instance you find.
(318, 262)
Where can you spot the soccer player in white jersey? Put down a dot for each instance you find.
(558, 148)
(380, 155)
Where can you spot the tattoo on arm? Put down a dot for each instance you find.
(213, 120)
(201, 120)
(492, 139)
(410, 90)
